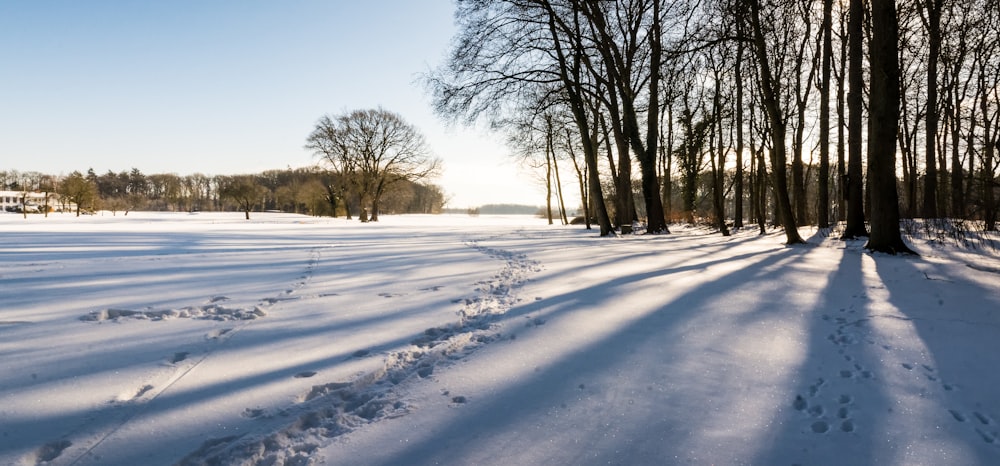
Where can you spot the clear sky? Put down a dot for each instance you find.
(226, 86)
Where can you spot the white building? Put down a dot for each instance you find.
(10, 201)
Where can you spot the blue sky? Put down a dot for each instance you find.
(224, 87)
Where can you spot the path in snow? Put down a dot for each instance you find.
(334, 409)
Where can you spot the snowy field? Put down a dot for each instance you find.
(161, 339)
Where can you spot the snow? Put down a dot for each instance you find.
(175, 338)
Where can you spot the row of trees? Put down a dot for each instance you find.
(372, 161)
(312, 191)
(730, 103)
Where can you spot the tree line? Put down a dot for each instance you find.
(371, 162)
(795, 112)
(310, 191)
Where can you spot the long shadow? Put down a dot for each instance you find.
(597, 358)
(838, 393)
(522, 414)
(109, 416)
(957, 323)
(113, 413)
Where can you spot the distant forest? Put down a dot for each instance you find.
(308, 191)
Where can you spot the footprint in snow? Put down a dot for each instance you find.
(305, 374)
(820, 427)
(535, 322)
(986, 436)
(847, 426)
(814, 388)
(179, 356)
(360, 353)
(800, 403)
(216, 334)
(142, 391)
(52, 450)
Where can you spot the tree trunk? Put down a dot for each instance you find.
(803, 87)
(778, 131)
(655, 221)
(559, 191)
(883, 110)
(668, 153)
(761, 188)
(988, 178)
(613, 167)
(855, 177)
(548, 168)
(718, 169)
(933, 25)
(823, 212)
(957, 190)
(581, 179)
(841, 125)
(738, 182)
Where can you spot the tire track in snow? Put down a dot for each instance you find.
(147, 391)
(330, 410)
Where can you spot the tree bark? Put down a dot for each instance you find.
(778, 130)
(933, 25)
(718, 168)
(855, 177)
(738, 181)
(823, 212)
(883, 110)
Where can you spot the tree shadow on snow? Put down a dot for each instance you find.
(668, 361)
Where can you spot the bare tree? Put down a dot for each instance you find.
(770, 93)
(987, 71)
(374, 149)
(931, 17)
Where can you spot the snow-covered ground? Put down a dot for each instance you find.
(207, 339)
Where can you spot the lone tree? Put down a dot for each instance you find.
(372, 150)
(243, 190)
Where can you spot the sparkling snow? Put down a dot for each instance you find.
(175, 338)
